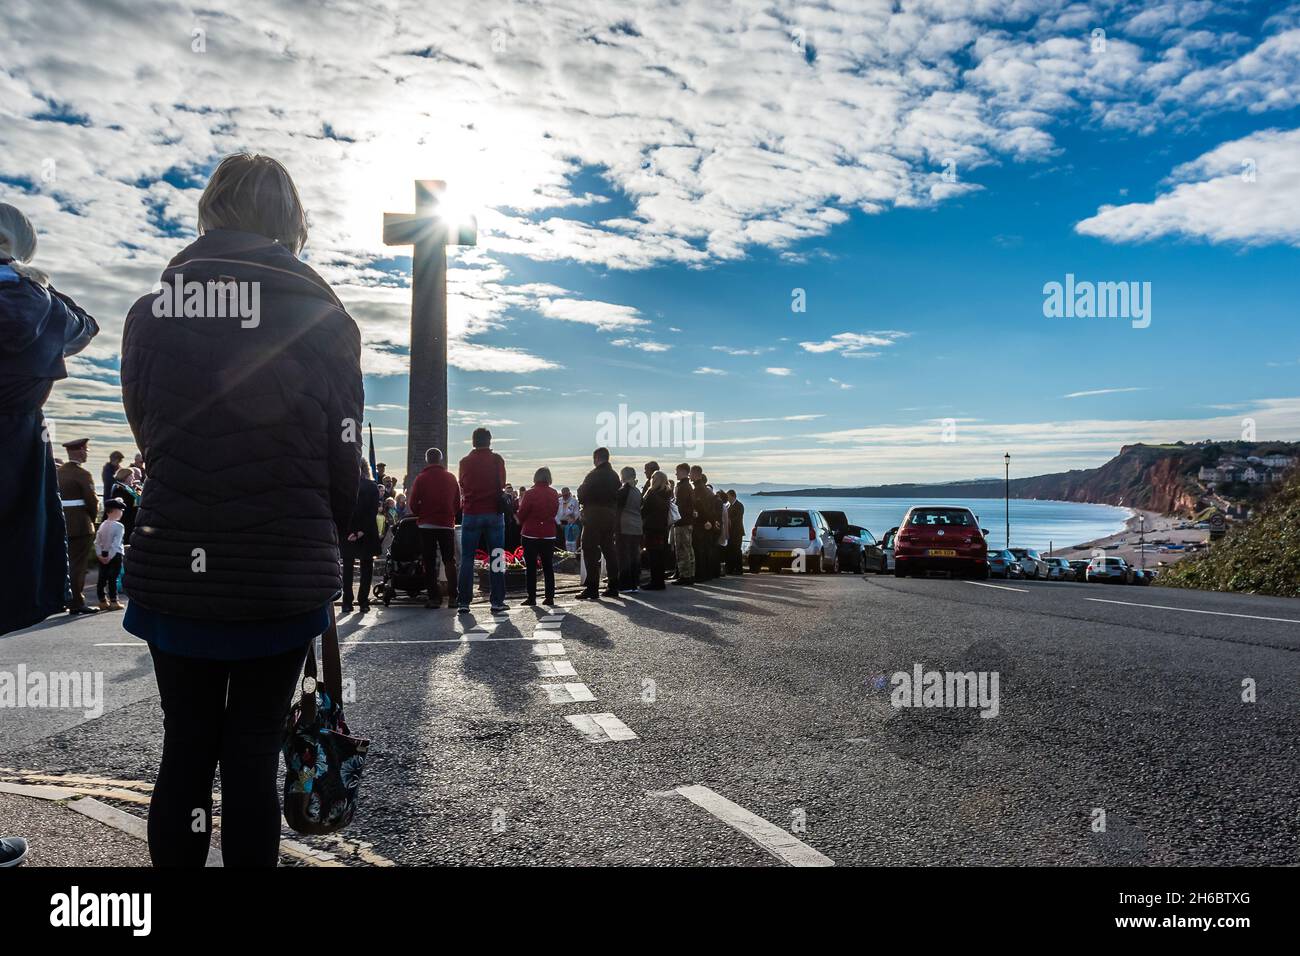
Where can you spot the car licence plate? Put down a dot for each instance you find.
(779, 554)
(942, 553)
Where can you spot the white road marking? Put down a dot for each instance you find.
(568, 693)
(1000, 587)
(555, 649)
(601, 728)
(1192, 610)
(464, 639)
(548, 625)
(782, 845)
(555, 669)
(550, 619)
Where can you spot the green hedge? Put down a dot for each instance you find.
(1260, 557)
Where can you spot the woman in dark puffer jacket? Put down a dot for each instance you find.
(241, 379)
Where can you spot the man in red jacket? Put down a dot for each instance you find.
(433, 500)
(482, 477)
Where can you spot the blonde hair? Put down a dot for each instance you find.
(254, 193)
(18, 239)
(659, 480)
(542, 476)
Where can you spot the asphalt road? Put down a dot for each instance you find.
(773, 692)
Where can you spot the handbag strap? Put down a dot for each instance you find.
(333, 668)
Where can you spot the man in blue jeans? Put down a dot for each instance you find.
(482, 477)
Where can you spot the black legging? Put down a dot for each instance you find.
(543, 550)
(231, 712)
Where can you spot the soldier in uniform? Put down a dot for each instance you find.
(80, 509)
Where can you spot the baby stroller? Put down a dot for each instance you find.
(403, 569)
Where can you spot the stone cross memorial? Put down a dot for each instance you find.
(430, 233)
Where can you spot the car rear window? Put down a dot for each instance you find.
(941, 518)
(783, 519)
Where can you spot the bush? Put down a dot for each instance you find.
(1261, 557)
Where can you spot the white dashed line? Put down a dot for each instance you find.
(1191, 610)
(601, 728)
(463, 639)
(568, 693)
(548, 650)
(555, 669)
(782, 845)
(1000, 587)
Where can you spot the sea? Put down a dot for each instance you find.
(1034, 523)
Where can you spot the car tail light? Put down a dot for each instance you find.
(753, 533)
(812, 535)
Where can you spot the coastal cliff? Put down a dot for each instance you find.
(1159, 478)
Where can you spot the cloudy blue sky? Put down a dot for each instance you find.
(660, 185)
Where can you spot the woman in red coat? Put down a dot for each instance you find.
(536, 517)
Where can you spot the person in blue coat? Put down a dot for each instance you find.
(39, 327)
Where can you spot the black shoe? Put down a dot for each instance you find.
(365, 608)
(610, 593)
(549, 602)
(588, 596)
(13, 850)
(529, 602)
(684, 582)
(346, 609)
(84, 609)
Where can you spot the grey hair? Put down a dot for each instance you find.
(628, 473)
(18, 239)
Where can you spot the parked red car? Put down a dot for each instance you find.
(940, 538)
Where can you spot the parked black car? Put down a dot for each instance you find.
(860, 552)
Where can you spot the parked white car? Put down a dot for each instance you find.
(793, 537)
(887, 546)
(1110, 571)
(1031, 562)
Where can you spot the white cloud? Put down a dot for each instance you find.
(606, 316)
(854, 344)
(645, 345)
(705, 370)
(474, 357)
(779, 371)
(1244, 191)
(1104, 391)
(783, 418)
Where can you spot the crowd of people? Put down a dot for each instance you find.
(249, 509)
(683, 530)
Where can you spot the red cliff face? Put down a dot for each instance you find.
(1138, 477)
(1168, 490)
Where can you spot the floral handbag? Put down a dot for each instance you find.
(323, 761)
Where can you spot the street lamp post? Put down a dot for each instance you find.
(1142, 540)
(1006, 460)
